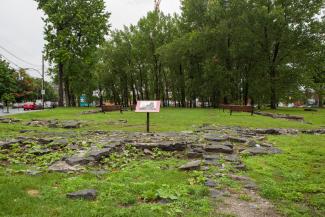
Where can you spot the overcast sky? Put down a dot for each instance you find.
(21, 26)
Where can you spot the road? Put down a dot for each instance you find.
(3, 112)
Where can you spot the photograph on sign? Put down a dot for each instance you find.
(148, 106)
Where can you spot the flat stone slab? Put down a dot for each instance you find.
(99, 154)
(8, 144)
(165, 146)
(219, 149)
(62, 166)
(77, 160)
(262, 151)
(87, 194)
(71, 125)
(216, 138)
(192, 165)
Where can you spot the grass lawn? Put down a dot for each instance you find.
(293, 181)
(167, 120)
(131, 191)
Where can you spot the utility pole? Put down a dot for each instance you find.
(157, 5)
(43, 90)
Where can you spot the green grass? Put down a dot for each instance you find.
(295, 180)
(167, 120)
(135, 190)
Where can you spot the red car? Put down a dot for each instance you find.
(30, 106)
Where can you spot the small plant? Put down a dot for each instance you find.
(245, 197)
(197, 177)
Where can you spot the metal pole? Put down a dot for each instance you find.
(148, 119)
(43, 81)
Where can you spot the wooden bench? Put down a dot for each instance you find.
(111, 108)
(238, 108)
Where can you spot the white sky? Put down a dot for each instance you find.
(21, 26)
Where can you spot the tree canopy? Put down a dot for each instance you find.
(73, 31)
(216, 51)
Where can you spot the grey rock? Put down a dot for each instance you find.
(99, 154)
(71, 124)
(165, 146)
(217, 193)
(252, 143)
(211, 157)
(33, 172)
(238, 178)
(219, 149)
(212, 162)
(59, 143)
(38, 123)
(147, 152)
(44, 141)
(87, 194)
(40, 152)
(193, 165)
(231, 158)
(240, 167)
(8, 144)
(313, 132)
(228, 144)
(193, 155)
(261, 151)
(250, 185)
(173, 146)
(216, 138)
(78, 160)
(269, 131)
(210, 183)
(237, 139)
(61, 166)
(53, 124)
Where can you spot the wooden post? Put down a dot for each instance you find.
(148, 120)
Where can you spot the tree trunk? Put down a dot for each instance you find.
(60, 77)
(273, 92)
(67, 92)
(320, 98)
(182, 90)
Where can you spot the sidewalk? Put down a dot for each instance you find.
(3, 112)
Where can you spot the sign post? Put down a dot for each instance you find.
(148, 122)
(148, 107)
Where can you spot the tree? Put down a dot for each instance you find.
(7, 79)
(257, 51)
(73, 30)
(8, 98)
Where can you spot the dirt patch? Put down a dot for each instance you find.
(33, 192)
(246, 204)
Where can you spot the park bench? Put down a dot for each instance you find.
(238, 108)
(111, 108)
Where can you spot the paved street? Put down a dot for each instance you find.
(3, 112)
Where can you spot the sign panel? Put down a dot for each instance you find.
(43, 92)
(148, 106)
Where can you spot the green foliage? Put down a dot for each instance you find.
(73, 31)
(217, 52)
(7, 79)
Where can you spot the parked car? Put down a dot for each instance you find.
(30, 106)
